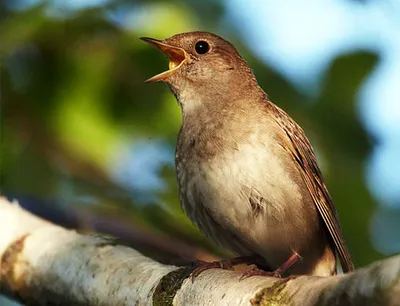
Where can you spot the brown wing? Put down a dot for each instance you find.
(301, 150)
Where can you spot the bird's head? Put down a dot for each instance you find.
(202, 63)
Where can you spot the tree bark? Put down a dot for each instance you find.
(44, 264)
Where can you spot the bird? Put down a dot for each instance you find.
(246, 172)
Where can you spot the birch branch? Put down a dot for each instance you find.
(44, 264)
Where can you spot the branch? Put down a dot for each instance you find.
(162, 247)
(42, 263)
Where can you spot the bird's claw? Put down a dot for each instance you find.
(253, 270)
(202, 266)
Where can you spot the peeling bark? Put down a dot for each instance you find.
(44, 264)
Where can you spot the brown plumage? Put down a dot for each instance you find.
(247, 174)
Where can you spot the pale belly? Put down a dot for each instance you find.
(250, 202)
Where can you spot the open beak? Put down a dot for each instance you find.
(177, 57)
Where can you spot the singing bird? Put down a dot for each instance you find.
(247, 174)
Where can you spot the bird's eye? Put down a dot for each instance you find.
(202, 47)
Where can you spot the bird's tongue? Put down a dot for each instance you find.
(176, 57)
(173, 64)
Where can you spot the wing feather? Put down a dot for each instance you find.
(299, 147)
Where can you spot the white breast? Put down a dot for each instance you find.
(233, 177)
(228, 181)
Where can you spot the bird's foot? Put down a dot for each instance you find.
(201, 266)
(253, 270)
(226, 264)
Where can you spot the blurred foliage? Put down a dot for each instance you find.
(73, 99)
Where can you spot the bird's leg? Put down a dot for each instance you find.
(253, 270)
(226, 264)
(295, 257)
